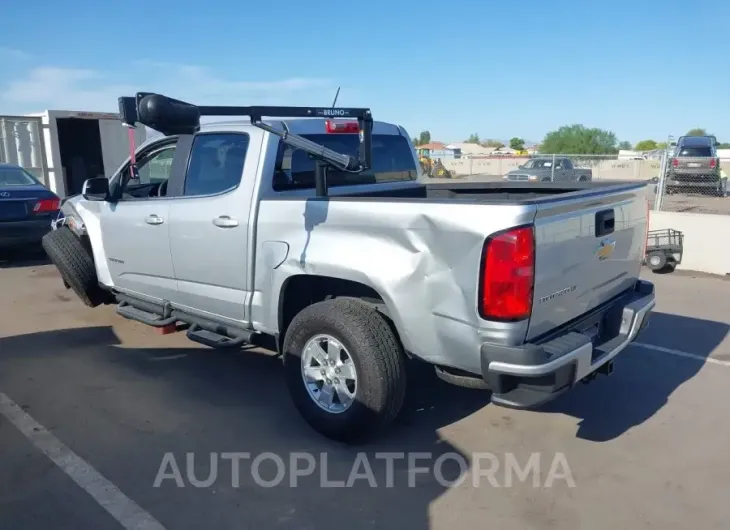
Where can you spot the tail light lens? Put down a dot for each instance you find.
(508, 275)
(342, 127)
(46, 205)
(675, 162)
(713, 163)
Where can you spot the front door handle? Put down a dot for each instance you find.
(154, 220)
(225, 222)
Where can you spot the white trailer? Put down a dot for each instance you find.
(64, 148)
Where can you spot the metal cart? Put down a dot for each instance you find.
(664, 249)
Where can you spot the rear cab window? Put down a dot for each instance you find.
(695, 151)
(15, 176)
(392, 162)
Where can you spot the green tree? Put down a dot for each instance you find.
(646, 145)
(424, 138)
(493, 143)
(697, 132)
(518, 144)
(625, 145)
(473, 139)
(725, 145)
(661, 145)
(578, 139)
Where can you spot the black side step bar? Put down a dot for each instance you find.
(202, 330)
(145, 317)
(216, 340)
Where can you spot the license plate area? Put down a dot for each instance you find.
(12, 210)
(693, 164)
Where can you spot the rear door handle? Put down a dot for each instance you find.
(154, 220)
(225, 222)
(605, 222)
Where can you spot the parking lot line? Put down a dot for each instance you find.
(127, 513)
(680, 353)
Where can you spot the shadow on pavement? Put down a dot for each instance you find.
(643, 379)
(124, 409)
(23, 257)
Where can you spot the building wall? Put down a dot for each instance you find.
(704, 251)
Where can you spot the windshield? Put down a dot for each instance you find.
(15, 176)
(535, 164)
(392, 161)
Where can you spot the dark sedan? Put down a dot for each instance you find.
(27, 207)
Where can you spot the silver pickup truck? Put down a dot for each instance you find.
(313, 236)
(549, 169)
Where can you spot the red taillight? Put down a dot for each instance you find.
(675, 162)
(713, 163)
(508, 275)
(344, 127)
(46, 205)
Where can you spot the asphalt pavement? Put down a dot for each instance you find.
(107, 424)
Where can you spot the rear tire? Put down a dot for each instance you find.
(365, 337)
(75, 264)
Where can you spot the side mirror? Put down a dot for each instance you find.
(96, 189)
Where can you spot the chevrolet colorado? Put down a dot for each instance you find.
(308, 231)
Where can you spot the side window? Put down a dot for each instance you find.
(216, 163)
(567, 164)
(155, 168)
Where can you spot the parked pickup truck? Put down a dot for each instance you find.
(549, 169)
(313, 237)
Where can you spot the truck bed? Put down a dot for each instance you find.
(589, 237)
(498, 192)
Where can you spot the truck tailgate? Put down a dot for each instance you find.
(588, 249)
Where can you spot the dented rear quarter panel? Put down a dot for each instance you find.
(421, 256)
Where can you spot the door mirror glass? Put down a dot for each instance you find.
(96, 189)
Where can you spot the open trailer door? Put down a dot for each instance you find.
(21, 143)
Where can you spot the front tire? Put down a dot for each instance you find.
(75, 265)
(345, 369)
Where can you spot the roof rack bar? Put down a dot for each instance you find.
(171, 117)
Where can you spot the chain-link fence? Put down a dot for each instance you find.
(693, 179)
(675, 183)
(555, 166)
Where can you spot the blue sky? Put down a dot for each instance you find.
(643, 69)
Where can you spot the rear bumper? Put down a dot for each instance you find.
(690, 178)
(16, 233)
(529, 375)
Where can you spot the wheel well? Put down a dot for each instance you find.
(86, 241)
(304, 290)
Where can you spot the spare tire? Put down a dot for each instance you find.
(75, 264)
